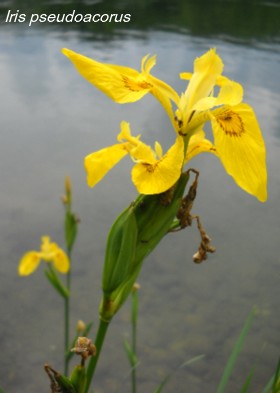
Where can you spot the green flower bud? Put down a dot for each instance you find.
(135, 233)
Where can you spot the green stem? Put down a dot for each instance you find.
(134, 314)
(66, 322)
(101, 333)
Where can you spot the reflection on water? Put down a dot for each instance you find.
(232, 20)
(51, 118)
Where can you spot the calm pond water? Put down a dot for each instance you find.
(51, 118)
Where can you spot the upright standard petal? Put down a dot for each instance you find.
(162, 174)
(241, 148)
(207, 68)
(230, 93)
(198, 95)
(48, 249)
(29, 263)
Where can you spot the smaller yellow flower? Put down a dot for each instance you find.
(50, 252)
(153, 172)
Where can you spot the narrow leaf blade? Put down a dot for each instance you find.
(236, 350)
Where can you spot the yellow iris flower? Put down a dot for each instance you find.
(49, 252)
(152, 173)
(237, 137)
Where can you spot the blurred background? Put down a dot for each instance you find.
(51, 118)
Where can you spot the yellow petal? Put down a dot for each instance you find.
(48, 249)
(165, 94)
(205, 103)
(97, 164)
(186, 75)
(206, 70)
(241, 148)
(158, 149)
(122, 84)
(198, 144)
(231, 93)
(143, 153)
(28, 263)
(147, 64)
(61, 261)
(163, 174)
(125, 134)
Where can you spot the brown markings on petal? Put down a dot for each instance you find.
(133, 85)
(231, 123)
(150, 167)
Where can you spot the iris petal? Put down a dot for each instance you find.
(206, 70)
(61, 261)
(121, 84)
(124, 84)
(241, 148)
(199, 144)
(162, 174)
(99, 163)
(29, 263)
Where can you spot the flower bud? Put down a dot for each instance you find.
(133, 236)
(81, 326)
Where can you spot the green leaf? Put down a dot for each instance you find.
(169, 376)
(78, 378)
(192, 360)
(120, 251)
(236, 350)
(248, 381)
(162, 384)
(273, 385)
(119, 267)
(130, 354)
(59, 382)
(269, 385)
(276, 382)
(70, 228)
(65, 384)
(56, 283)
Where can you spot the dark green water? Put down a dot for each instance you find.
(51, 118)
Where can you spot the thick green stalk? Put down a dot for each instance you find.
(101, 333)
